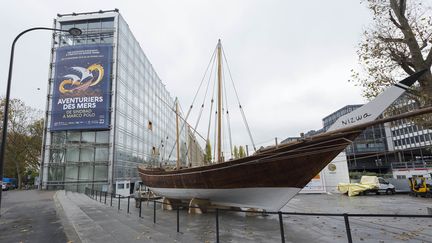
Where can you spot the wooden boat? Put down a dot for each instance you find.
(271, 177)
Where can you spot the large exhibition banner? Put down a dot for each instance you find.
(81, 92)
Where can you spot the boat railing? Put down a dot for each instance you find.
(103, 196)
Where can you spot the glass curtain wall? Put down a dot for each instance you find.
(79, 159)
(145, 120)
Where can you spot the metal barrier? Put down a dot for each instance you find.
(93, 194)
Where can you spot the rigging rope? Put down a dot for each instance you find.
(195, 96)
(205, 97)
(214, 153)
(238, 100)
(181, 118)
(227, 113)
(211, 109)
(202, 80)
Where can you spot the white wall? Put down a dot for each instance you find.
(329, 179)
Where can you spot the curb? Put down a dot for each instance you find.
(68, 227)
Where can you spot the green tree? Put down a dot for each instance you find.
(24, 140)
(208, 153)
(236, 152)
(242, 152)
(398, 43)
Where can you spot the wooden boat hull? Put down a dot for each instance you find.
(270, 178)
(266, 180)
(268, 198)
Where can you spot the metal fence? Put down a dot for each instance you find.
(103, 196)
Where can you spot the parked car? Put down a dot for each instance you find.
(4, 188)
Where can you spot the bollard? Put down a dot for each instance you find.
(111, 199)
(118, 208)
(105, 198)
(281, 227)
(128, 204)
(178, 219)
(217, 225)
(347, 226)
(154, 212)
(95, 198)
(100, 196)
(140, 208)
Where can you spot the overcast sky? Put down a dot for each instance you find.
(290, 60)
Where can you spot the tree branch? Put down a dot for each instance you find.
(403, 62)
(393, 40)
(402, 6)
(428, 61)
(394, 20)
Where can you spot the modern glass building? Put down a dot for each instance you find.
(369, 150)
(107, 110)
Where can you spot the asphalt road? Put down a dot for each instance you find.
(30, 216)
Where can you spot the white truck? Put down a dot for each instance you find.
(367, 184)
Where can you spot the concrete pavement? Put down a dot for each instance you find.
(30, 216)
(97, 222)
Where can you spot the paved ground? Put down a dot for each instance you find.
(30, 216)
(96, 222)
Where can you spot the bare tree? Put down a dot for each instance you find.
(398, 43)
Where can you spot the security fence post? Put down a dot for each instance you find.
(178, 219)
(154, 212)
(128, 204)
(281, 227)
(217, 225)
(140, 208)
(347, 226)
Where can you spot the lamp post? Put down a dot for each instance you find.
(73, 32)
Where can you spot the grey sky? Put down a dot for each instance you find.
(290, 59)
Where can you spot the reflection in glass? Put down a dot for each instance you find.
(88, 137)
(72, 154)
(87, 154)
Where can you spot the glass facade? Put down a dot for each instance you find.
(371, 140)
(142, 129)
(368, 150)
(405, 133)
(144, 123)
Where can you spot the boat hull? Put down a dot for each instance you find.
(268, 198)
(268, 179)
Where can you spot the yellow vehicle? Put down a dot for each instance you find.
(420, 187)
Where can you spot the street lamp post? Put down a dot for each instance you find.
(73, 32)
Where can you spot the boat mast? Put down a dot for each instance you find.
(219, 110)
(177, 135)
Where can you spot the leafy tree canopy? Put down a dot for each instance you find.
(24, 140)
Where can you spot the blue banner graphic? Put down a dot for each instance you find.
(81, 90)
